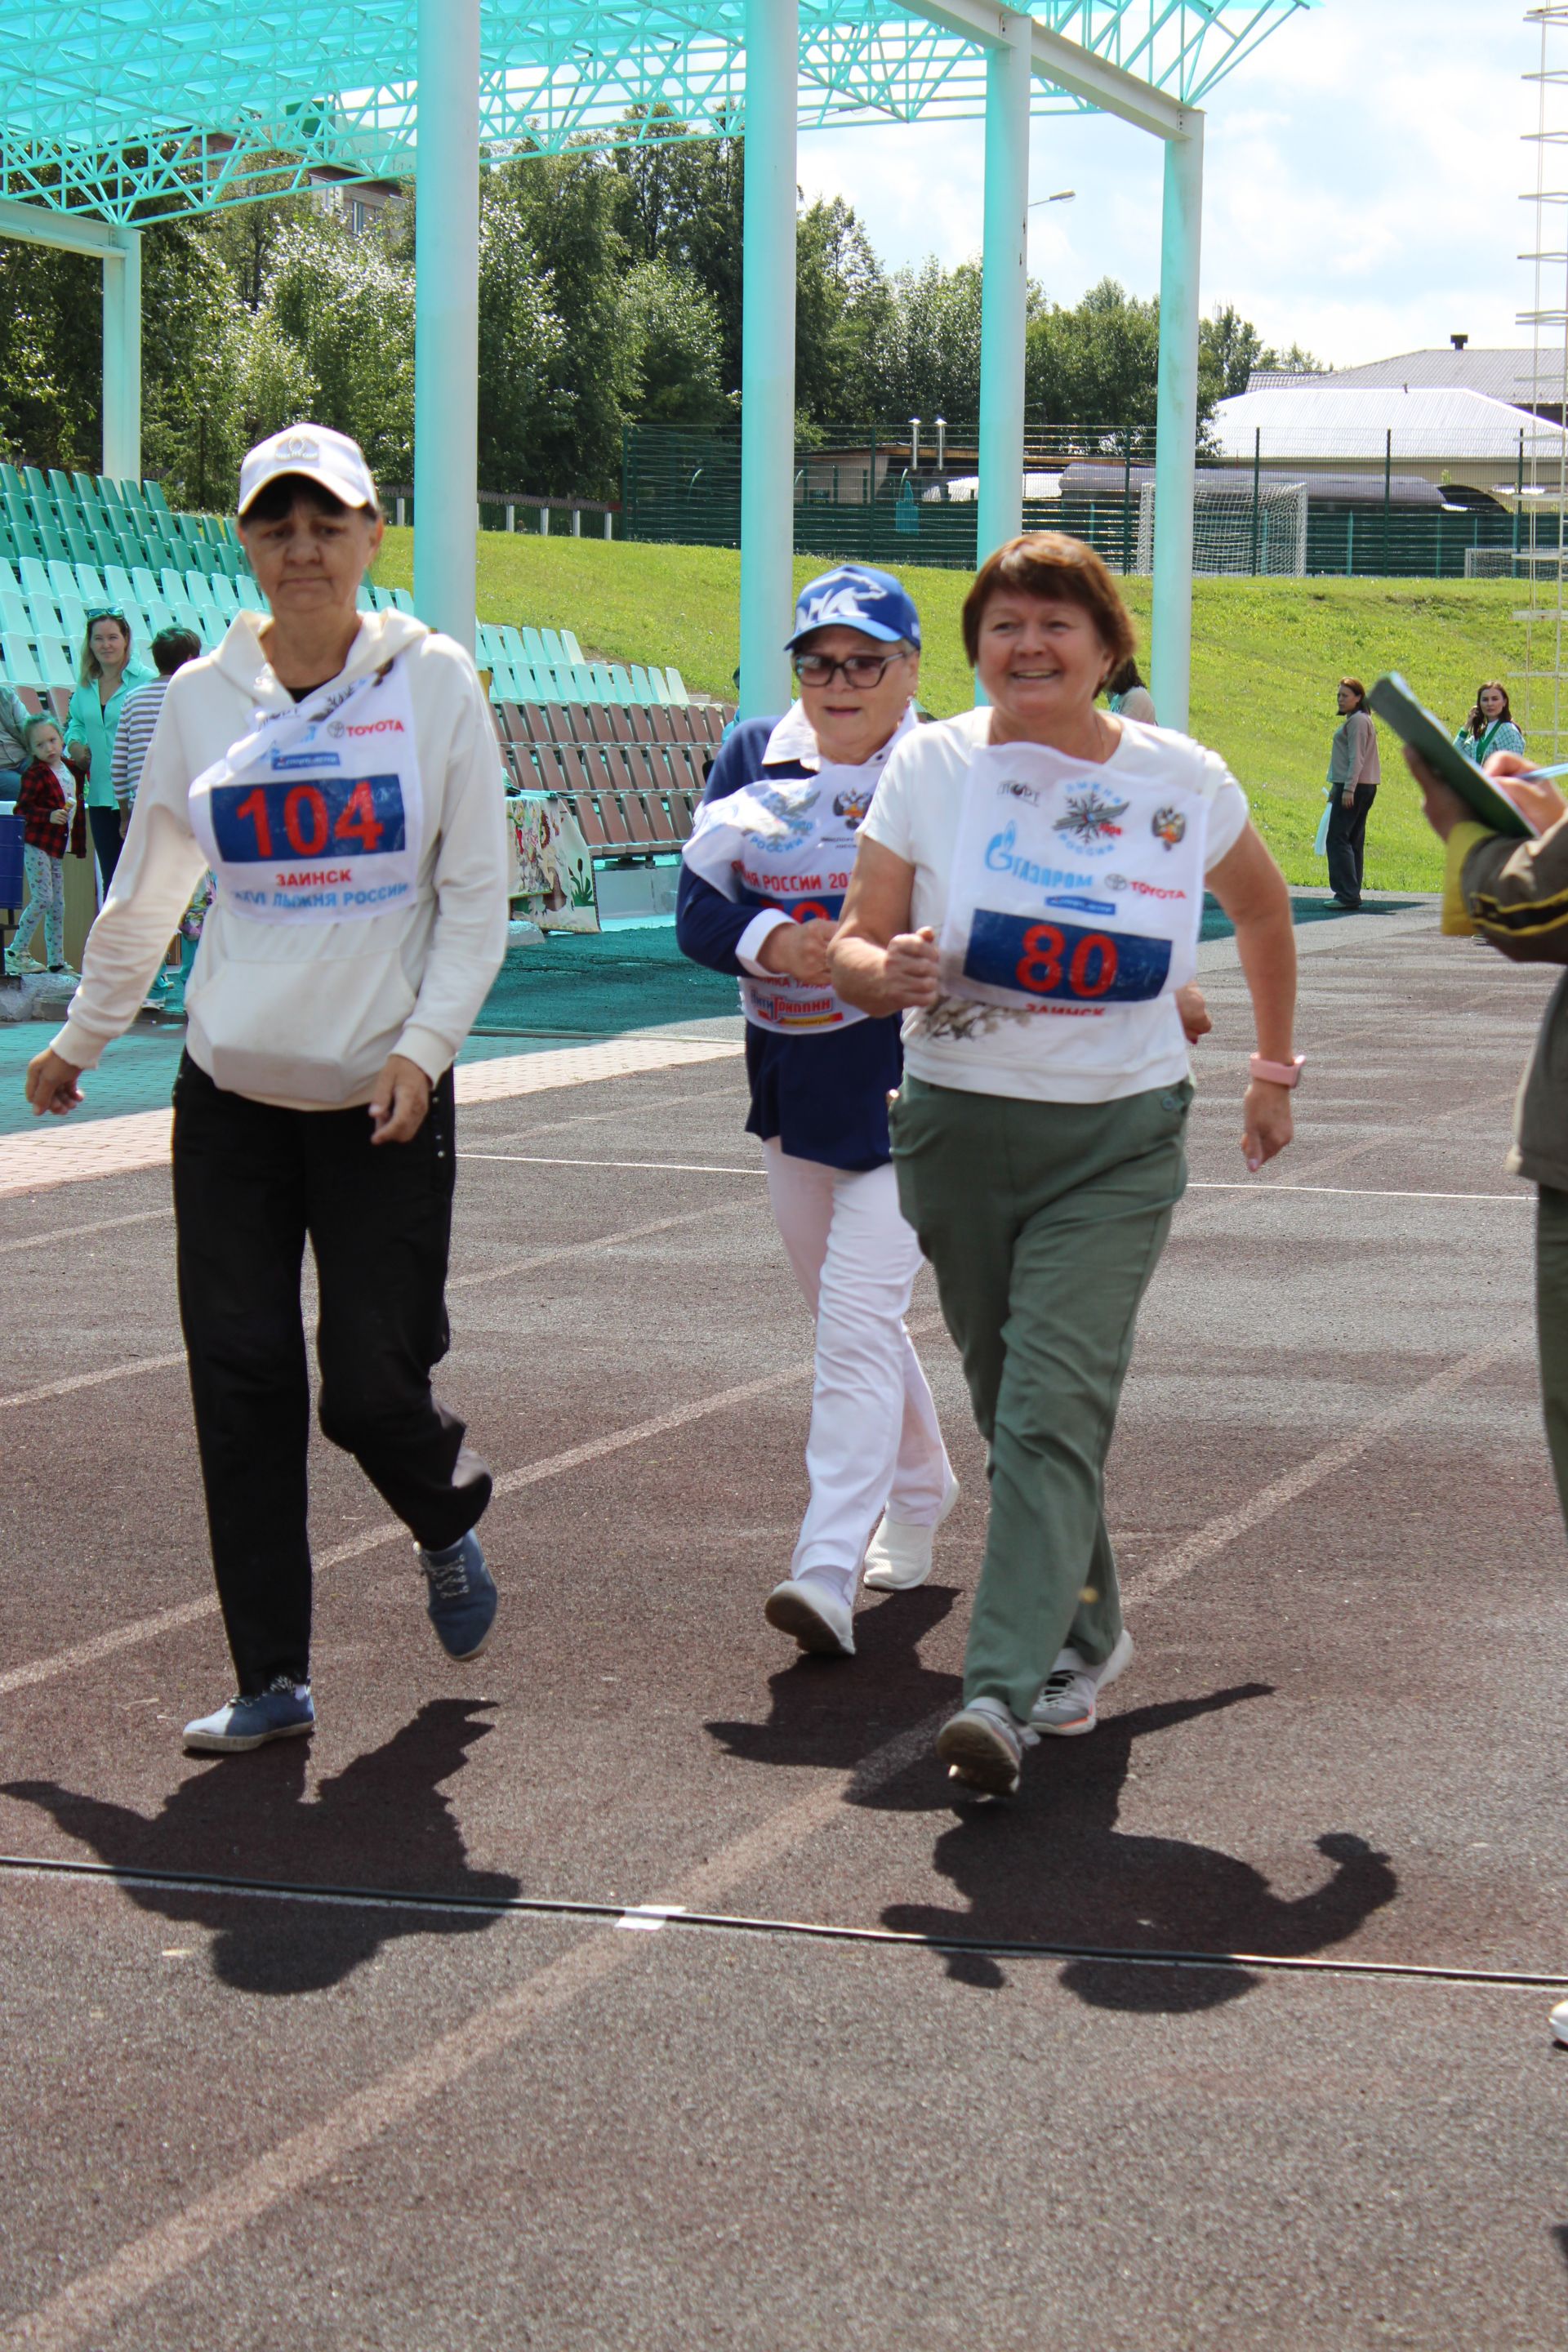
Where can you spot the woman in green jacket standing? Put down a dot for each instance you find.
(108, 678)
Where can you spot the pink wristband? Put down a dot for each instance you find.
(1279, 1074)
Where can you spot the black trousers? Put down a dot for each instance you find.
(1347, 842)
(103, 824)
(250, 1184)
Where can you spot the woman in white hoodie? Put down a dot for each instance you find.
(338, 771)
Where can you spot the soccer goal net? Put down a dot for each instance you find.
(1514, 562)
(1235, 530)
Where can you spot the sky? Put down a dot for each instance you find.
(1362, 182)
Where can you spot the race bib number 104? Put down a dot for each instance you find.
(260, 821)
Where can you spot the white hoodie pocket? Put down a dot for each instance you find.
(298, 1025)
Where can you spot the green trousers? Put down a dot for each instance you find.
(1552, 1328)
(1044, 1222)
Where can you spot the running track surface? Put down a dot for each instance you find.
(239, 2120)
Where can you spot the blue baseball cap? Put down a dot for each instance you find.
(853, 596)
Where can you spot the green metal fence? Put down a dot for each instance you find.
(864, 494)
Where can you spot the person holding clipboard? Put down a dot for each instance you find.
(337, 772)
(1506, 881)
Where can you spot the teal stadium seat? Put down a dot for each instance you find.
(21, 662)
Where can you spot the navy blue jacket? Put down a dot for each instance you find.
(825, 1097)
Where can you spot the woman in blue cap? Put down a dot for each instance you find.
(763, 882)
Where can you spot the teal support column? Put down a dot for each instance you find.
(1175, 454)
(767, 355)
(447, 319)
(122, 357)
(1003, 287)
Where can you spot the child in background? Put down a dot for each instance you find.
(47, 804)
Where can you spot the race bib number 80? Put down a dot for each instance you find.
(259, 822)
(1064, 960)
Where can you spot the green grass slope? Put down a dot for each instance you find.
(1266, 654)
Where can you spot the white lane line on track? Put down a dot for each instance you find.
(1197, 1184)
(386, 1531)
(555, 1160)
(1346, 1192)
(79, 1232)
(93, 1380)
(89, 2304)
(503, 1272)
(1220, 1533)
(64, 1154)
(82, 2312)
(559, 1250)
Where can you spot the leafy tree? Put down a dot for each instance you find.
(521, 344)
(51, 357)
(246, 239)
(1294, 361)
(678, 338)
(1229, 347)
(1097, 363)
(682, 202)
(195, 333)
(844, 309)
(930, 361)
(346, 304)
(567, 210)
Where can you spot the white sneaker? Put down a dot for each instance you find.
(817, 1619)
(898, 1557)
(983, 1747)
(1067, 1708)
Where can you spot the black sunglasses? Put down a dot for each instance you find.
(858, 669)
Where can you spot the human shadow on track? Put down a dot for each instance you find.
(381, 1821)
(1052, 1867)
(825, 1712)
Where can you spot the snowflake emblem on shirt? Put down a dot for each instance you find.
(1091, 821)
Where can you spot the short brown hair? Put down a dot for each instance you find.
(1357, 689)
(1049, 564)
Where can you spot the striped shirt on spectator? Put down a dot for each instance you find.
(138, 720)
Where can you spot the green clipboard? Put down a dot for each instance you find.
(1397, 707)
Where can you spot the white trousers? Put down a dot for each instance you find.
(874, 1444)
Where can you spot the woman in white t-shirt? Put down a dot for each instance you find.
(1028, 888)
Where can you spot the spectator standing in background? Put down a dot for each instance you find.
(108, 679)
(1490, 725)
(14, 752)
(172, 649)
(1126, 694)
(47, 804)
(1353, 779)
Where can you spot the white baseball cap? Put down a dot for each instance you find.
(318, 454)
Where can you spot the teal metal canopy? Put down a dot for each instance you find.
(138, 109)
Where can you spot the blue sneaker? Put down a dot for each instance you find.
(463, 1597)
(284, 1711)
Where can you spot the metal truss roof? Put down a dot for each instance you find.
(134, 110)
